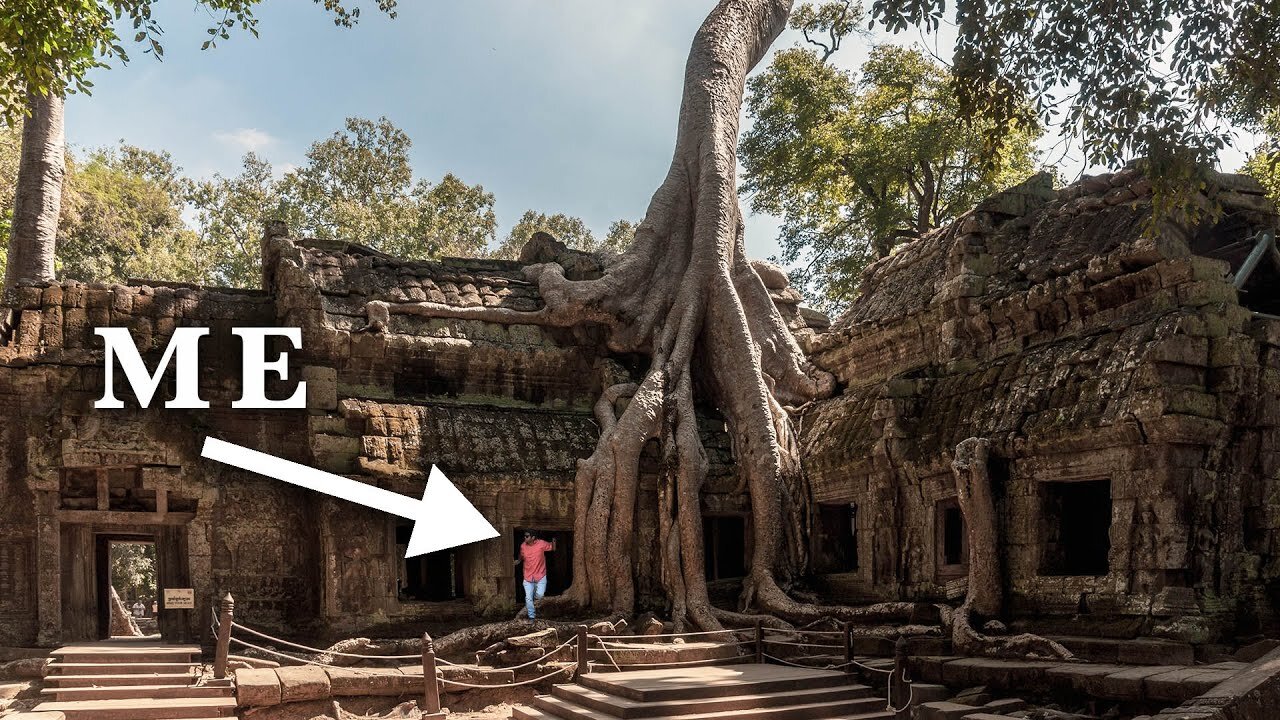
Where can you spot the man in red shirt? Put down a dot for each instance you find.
(533, 556)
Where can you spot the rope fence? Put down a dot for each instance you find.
(583, 642)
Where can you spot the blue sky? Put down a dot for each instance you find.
(555, 105)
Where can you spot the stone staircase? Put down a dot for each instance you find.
(122, 680)
(737, 692)
(634, 652)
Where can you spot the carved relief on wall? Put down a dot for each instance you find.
(16, 572)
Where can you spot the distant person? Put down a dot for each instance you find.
(153, 608)
(138, 608)
(533, 555)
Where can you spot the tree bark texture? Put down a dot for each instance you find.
(38, 197)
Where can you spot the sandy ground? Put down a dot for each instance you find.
(501, 711)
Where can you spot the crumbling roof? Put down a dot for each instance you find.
(1031, 233)
(349, 270)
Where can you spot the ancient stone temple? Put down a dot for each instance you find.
(504, 410)
(1124, 375)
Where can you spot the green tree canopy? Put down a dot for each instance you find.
(570, 230)
(231, 212)
(358, 185)
(1154, 80)
(122, 218)
(856, 163)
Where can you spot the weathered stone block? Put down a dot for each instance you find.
(257, 688)
(346, 683)
(303, 682)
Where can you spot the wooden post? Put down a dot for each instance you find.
(759, 641)
(584, 662)
(848, 648)
(430, 686)
(899, 691)
(224, 636)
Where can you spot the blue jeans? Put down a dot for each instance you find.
(534, 590)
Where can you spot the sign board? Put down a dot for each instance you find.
(179, 599)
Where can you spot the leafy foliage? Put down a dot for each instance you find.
(1130, 79)
(50, 47)
(231, 213)
(133, 571)
(570, 230)
(122, 218)
(10, 152)
(855, 164)
(358, 185)
(1264, 162)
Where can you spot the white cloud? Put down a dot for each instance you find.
(245, 139)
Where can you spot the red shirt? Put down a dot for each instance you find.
(533, 557)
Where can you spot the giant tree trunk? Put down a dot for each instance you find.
(685, 285)
(985, 594)
(38, 199)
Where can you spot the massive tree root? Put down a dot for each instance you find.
(985, 593)
(685, 284)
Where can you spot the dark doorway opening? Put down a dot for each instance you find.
(951, 540)
(559, 561)
(127, 570)
(724, 546)
(435, 576)
(837, 547)
(1077, 524)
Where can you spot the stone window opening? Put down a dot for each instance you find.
(1077, 527)
(724, 546)
(836, 549)
(434, 577)
(951, 540)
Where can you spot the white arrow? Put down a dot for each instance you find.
(442, 519)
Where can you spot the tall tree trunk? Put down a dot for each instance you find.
(38, 198)
(685, 284)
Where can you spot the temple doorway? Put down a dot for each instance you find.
(559, 561)
(131, 580)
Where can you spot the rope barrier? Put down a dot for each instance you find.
(318, 651)
(827, 633)
(795, 644)
(304, 661)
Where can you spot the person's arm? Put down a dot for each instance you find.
(553, 544)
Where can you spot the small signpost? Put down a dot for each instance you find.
(179, 599)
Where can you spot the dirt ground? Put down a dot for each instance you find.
(501, 711)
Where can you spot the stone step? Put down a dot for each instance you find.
(710, 682)
(125, 653)
(638, 653)
(68, 681)
(567, 710)
(161, 709)
(526, 712)
(621, 707)
(605, 666)
(137, 692)
(113, 668)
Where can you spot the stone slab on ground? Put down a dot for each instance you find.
(44, 715)
(985, 716)
(257, 688)
(346, 683)
(944, 710)
(302, 682)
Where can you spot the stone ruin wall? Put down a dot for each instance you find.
(504, 410)
(1083, 349)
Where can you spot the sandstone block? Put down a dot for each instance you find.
(303, 682)
(944, 711)
(346, 683)
(257, 688)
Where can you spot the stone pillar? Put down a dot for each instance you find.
(48, 570)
